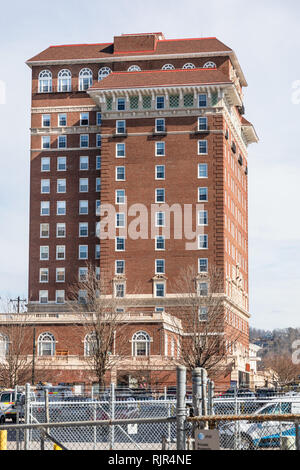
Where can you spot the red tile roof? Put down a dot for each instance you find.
(161, 78)
(106, 50)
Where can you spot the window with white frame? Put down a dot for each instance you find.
(45, 208)
(202, 265)
(61, 230)
(168, 67)
(160, 289)
(60, 252)
(61, 185)
(61, 163)
(120, 127)
(188, 65)
(43, 296)
(119, 289)
(45, 186)
(203, 313)
(202, 218)
(103, 72)
(64, 81)
(61, 208)
(97, 272)
(46, 120)
(160, 172)
(98, 140)
(120, 219)
(84, 119)
(84, 140)
(160, 125)
(98, 162)
(83, 185)
(82, 296)
(44, 275)
(83, 207)
(98, 205)
(60, 275)
(203, 242)
(121, 104)
(46, 344)
(83, 229)
(120, 244)
(44, 231)
(60, 296)
(120, 266)
(91, 344)
(84, 163)
(45, 164)
(202, 124)
(202, 147)
(83, 251)
(134, 68)
(202, 170)
(120, 150)
(202, 194)
(97, 252)
(160, 102)
(160, 149)
(120, 173)
(160, 219)
(159, 195)
(44, 253)
(45, 81)
(45, 142)
(203, 289)
(141, 344)
(209, 65)
(62, 120)
(202, 100)
(159, 266)
(120, 196)
(85, 79)
(98, 119)
(62, 141)
(83, 274)
(98, 185)
(160, 242)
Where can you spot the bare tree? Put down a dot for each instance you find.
(100, 308)
(202, 307)
(285, 371)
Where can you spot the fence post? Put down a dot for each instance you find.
(210, 386)
(181, 407)
(27, 416)
(204, 391)
(3, 440)
(112, 415)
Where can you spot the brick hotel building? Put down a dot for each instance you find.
(148, 121)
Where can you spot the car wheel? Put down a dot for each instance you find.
(2, 420)
(246, 443)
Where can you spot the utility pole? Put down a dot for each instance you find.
(18, 300)
(33, 358)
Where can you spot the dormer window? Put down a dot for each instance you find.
(85, 79)
(45, 81)
(134, 68)
(103, 72)
(189, 65)
(64, 81)
(209, 65)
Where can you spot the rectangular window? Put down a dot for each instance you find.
(160, 219)
(60, 274)
(203, 313)
(60, 252)
(98, 119)
(45, 208)
(97, 252)
(98, 140)
(97, 273)
(84, 140)
(83, 229)
(120, 266)
(45, 142)
(159, 266)
(202, 124)
(202, 194)
(120, 244)
(60, 296)
(160, 125)
(46, 120)
(61, 163)
(98, 205)
(61, 230)
(44, 253)
(202, 218)
(44, 275)
(45, 164)
(45, 186)
(84, 163)
(160, 242)
(43, 296)
(160, 290)
(62, 141)
(120, 173)
(203, 288)
(202, 100)
(83, 274)
(159, 195)
(203, 265)
(62, 120)
(202, 170)
(61, 186)
(83, 185)
(202, 147)
(98, 162)
(159, 149)
(120, 127)
(121, 104)
(160, 102)
(82, 296)
(203, 242)
(83, 251)
(84, 119)
(120, 219)
(160, 172)
(98, 185)
(44, 231)
(120, 196)
(61, 208)
(120, 150)
(120, 289)
(83, 207)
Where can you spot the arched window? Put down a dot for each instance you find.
(103, 72)
(209, 65)
(134, 68)
(46, 344)
(85, 79)
(45, 81)
(90, 344)
(141, 344)
(188, 66)
(4, 345)
(168, 67)
(64, 80)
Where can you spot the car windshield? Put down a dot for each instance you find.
(275, 409)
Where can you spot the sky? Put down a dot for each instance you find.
(265, 37)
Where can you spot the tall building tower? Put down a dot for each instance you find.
(136, 127)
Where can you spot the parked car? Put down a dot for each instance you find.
(9, 403)
(268, 434)
(2, 417)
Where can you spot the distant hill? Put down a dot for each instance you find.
(278, 341)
